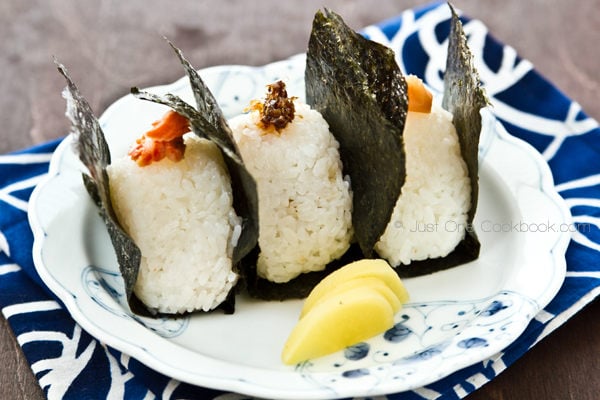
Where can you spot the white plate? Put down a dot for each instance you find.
(456, 317)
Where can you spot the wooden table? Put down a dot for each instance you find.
(110, 45)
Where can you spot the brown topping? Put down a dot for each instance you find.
(277, 110)
(165, 139)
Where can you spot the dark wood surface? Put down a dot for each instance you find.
(112, 45)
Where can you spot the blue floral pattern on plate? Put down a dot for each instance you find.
(424, 335)
(106, 288)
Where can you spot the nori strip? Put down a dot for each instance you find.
(208, 121)
(92, 149)
(297, 288)
(464, 98)
(359, 89)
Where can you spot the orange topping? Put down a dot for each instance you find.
(146, 151)
(419, 98)
(172, 125)
(165, 139)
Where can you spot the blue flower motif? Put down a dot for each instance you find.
(397, 333)
(493, 308)
(425, 354)
(472, 342)
(355, 373)
(357, 351)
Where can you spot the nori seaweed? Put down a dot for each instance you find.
(208, 121)
(359, 89)
(464, 98)
(91, 146)
(297, 288)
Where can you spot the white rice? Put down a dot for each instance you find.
(430, 217)
(305, 203)
(180, 215)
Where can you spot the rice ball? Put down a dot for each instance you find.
(180, 214)
(430, 216)
(305, 202)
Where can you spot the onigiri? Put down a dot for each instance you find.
(305, 201)
(180, 215)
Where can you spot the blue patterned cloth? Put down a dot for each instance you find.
(71, 364)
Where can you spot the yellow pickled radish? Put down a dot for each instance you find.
(371, 282)
(338, 321)
(376, 268)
